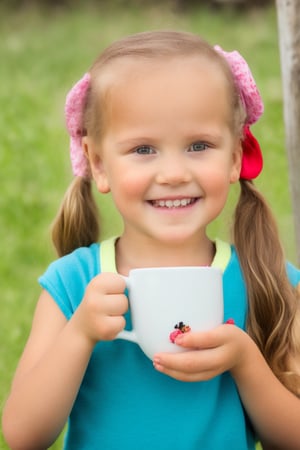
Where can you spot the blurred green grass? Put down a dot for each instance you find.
(42, 54)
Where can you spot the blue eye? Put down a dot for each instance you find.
(144, 150)
(198, 147)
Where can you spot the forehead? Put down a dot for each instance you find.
(150, 74)
(150, 83)
(126, 69)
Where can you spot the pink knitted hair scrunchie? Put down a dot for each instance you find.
(74, 105)
(252, 160)
(245, 82)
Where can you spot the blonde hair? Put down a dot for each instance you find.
(273, 303)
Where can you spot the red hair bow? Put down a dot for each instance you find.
(252, 160)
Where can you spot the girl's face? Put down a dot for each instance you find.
(168, 154)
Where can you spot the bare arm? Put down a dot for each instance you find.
(54, 361)
(273, 410)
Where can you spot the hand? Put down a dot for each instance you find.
(212, 353)
(100, 314)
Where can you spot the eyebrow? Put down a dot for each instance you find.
(192, 136)
(135, 141)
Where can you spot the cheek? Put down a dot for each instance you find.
(128, 184)
(128, 192)
(217, 183)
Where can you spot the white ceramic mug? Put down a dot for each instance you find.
(166, 301)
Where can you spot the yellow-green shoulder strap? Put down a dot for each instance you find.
(222, 256)
(108, 255)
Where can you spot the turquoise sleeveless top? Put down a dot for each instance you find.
(123, 402)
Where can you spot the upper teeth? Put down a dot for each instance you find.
(173, 203)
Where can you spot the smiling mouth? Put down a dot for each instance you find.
(176, 203)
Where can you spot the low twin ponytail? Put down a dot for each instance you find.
(273, 304)
(76, 224)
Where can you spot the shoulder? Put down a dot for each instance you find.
(67, 277)
(83, 259)
(227, 260)
(293, 274)
(233, 268)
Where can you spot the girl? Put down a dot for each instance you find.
(161, 121)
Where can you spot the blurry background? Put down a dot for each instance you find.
(45, 47)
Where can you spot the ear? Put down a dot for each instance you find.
(96, 164)
(236, 162)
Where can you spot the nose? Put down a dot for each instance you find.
(173, 170)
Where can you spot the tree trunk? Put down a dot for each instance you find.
(288, 15)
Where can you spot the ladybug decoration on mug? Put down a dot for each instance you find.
(180, 328)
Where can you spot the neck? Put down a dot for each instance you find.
(132, 254)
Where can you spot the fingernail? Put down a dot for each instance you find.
(157, 365)
(230, 322)
(179, 339)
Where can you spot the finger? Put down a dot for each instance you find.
(198, 340)
(186, 362)
(115, 304)
(111, 326)
(207, 339)
(184, 366)
(110, 283)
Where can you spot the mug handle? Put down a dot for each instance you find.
(125, 334)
